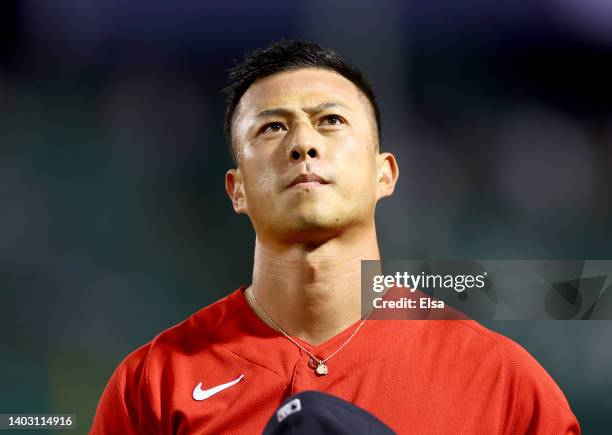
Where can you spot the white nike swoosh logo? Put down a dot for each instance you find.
(200, 394)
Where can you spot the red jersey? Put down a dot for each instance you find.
(224, 371)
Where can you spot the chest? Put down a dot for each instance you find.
(235, 396)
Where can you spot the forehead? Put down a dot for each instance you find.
(300, 88)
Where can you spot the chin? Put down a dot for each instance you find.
(312, 229)
(313, 219)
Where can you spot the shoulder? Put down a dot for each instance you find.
(470, 340)
(132, 397)
(196, 333)
(471, 336)
(532, 399)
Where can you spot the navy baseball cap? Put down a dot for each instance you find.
(315, 412)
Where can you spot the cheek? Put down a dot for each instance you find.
(258, 185)
(362, 184)
(259, 180)
(357, 167)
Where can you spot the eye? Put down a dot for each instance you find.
(332, 120)
(272, 127)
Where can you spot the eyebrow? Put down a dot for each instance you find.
(310, 110)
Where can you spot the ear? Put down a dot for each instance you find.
(388, 173)
(235, 189)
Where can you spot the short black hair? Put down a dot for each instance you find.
(285, 55)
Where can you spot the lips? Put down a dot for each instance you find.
(308, 178)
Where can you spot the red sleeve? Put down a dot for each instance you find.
(123, 407)
(536, 404)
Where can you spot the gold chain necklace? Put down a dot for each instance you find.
(321, 368)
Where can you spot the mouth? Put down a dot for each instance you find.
(308, 180)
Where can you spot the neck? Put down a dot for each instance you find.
(312, 293)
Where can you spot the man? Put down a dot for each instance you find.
(304, 131)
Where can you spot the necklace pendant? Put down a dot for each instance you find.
(321, 369)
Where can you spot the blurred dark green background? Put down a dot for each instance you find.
(114, 222)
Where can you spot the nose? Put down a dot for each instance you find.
(303, 144)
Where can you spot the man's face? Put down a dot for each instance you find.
(317, 125)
